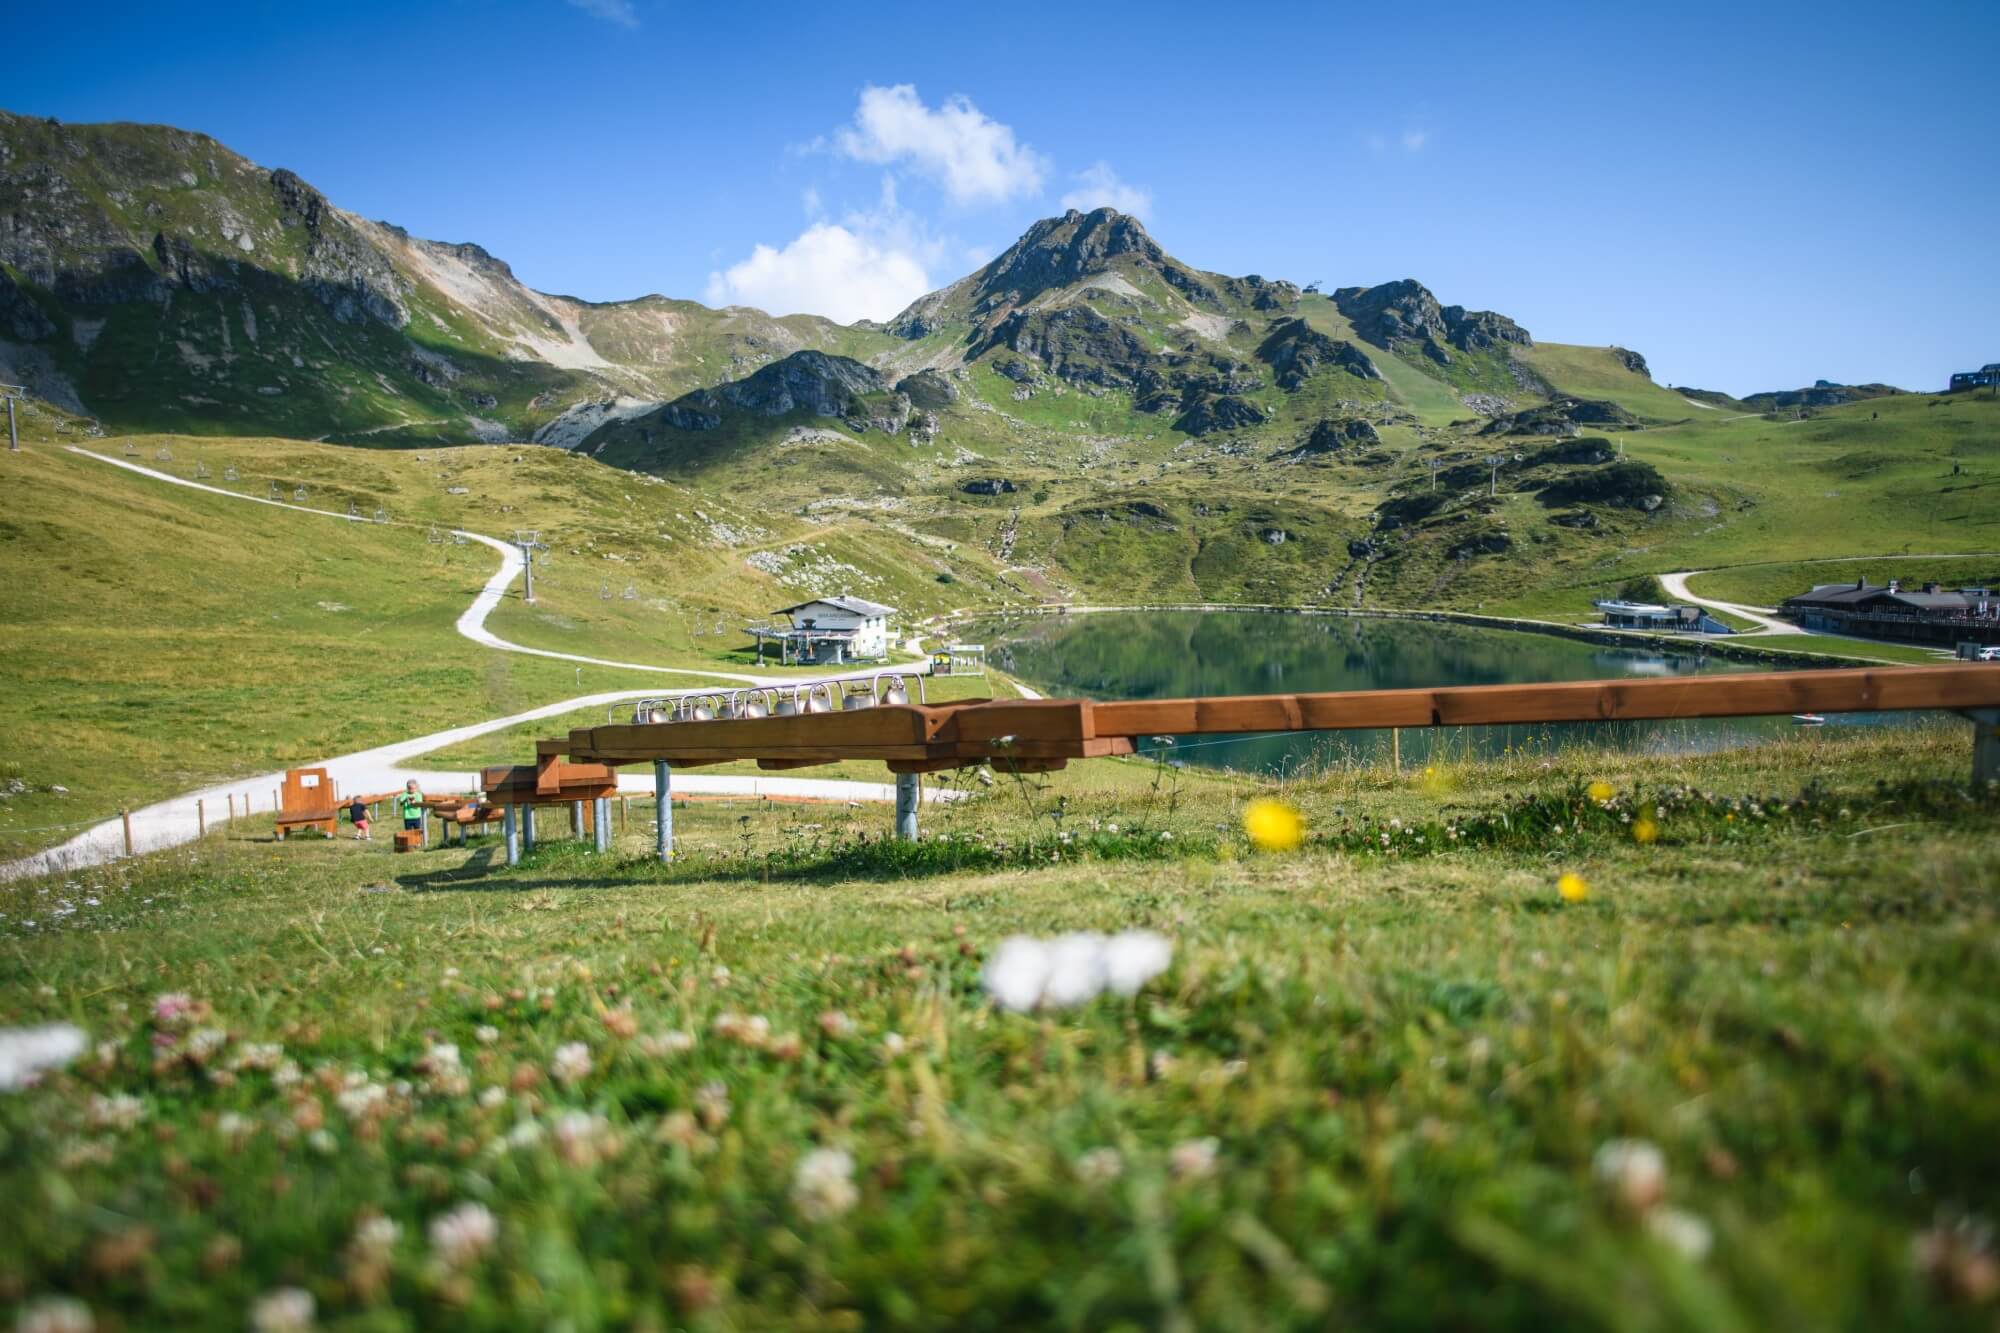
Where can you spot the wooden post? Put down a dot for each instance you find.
(1396, 748)
(908, 793)
(126, 817)
(663, 802)
(509, 826)
(232, 805)
(200, 818)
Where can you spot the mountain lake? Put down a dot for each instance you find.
(1179, 654)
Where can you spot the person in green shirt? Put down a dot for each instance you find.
(410, 805)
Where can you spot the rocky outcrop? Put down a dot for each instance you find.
(1404, 315)
(928, 389)
(1330, 437)
(886, 413)
(1632, 361)
(988, 486)
(347, 275)
(1629, 484)
(1490, 542)
(1823, 393)
(1588, 449)
(1073, 343)
(1295, 350)
(1207, 412)
(20, 318)
(1565, 416)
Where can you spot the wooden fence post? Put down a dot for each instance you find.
(200, 818)
(126, 817)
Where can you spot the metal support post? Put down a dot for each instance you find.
(576, 819)
(907, 795)
(663, 801)
(527, 828)
(602, 808)
(509, 826)
(1985, 744)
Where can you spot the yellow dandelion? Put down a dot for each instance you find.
(1273, 825)
(1573, 887)
(1600, 791)
(1435, 781)
(1644, 830)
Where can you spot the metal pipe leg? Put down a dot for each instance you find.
(510, 826)
(602, 808)
(527, 828)
(907, 794)
(424, 824)
(1985, 745)
(663, 803)
(576, 819)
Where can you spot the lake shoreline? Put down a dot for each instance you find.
(1675, 643)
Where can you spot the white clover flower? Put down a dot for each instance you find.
(1099, 1166)
(205, 1042)
(583, 1139)
(235, 1125)
(1632, 1171)
(493, 1096)
(571, 1063)
(1016, 973)
(55, 1314)
(257, 1055)
(526, 1134)
(375, 1236)
(1681, 1231)
(1193, 1159)
(363, 1099)
(26, 1053)
(442, 1058)
(461, 1236)
(173, 1009)
(322, 1142)
(658, 1045)
(119, 1110)
(1076, 970)
(1134, 957)
(286, 1310)
(823, 1185)
(893, 1044)
(287, 1075)
(486, 1033)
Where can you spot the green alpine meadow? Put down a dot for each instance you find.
(668, 669)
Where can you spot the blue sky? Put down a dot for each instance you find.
(1752, 196)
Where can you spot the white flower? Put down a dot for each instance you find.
(658, 1045)
(1681, 1230)
(362, 1099)
(120, 1110)
(1016, 973)
(286, 1310)
(1134, 957)
(442, 1058)
(1193, 1159)
(234, 1125)
(1073, 969)
(286, 1075)
(375, 1236)
(26, 1052)
(571, 1063)
(493, 1096)
(583, 1139)
(486, 1034)
(1632, 1171)
(823, 1185)
(893, 1044)
(205, 1042)
(322, 1142)
(462, 1235)
(55, 1314)
(1099, 1166)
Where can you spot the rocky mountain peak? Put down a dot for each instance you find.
(1404, 314)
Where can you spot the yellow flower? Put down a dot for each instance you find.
(1273, 825)
(1600, 791)
(1573, 887)
(1644, 830)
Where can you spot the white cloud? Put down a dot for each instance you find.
(619, 12)
(975, 159)
(827, 270)
(1099, 187)
(1414, 140)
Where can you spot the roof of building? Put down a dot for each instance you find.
(1849, 594)
(859, 606)
(1640, 608)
